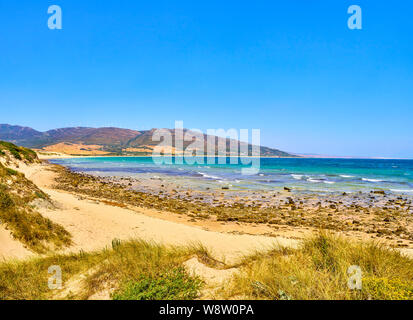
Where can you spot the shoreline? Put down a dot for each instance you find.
(299, 177)
(97, 210)
(291, 217)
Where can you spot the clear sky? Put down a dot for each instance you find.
(290, 68)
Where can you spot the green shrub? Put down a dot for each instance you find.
(17, 152)
(11, 172)
(173, 285)
(387, 289)
(5, 201)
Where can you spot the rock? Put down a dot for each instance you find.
(287, 189)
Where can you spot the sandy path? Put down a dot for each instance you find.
(94, 225)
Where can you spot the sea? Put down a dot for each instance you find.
(298, 174)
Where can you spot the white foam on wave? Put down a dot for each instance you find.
(208, 176)
(400, 190)
(346, 176)
(297, 176)
(329, 182)
(371, 180)
(313, 180)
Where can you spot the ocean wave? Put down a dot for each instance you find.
(400, 190)
(208, 176)
(329, 182)
(372, 180)
(314, 180)
(346, 176)
(297, 176)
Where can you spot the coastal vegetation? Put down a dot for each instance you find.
(139, 270)
(129, 270)
(8, 150)
(319, 270)
(17, 198)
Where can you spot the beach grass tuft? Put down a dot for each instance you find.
(318, 270)
(128, 271)
(141, 270)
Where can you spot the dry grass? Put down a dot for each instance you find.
(318, 270)
(140, 270)
(125, 263)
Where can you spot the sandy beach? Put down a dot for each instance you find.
(94, 224)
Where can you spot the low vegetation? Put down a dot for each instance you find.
(8, 149)
(17, 213)
(134, 269)
(139, 270)
(174, 284)
(319, 270)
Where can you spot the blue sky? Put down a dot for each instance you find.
(290, 68)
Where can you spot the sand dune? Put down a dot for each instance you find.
(10, 248)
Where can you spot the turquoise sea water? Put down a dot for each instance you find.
(319, 175)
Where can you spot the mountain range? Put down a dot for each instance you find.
(106, 141)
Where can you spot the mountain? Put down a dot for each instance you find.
(28, 137)
(106, 141)
(16, 133)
